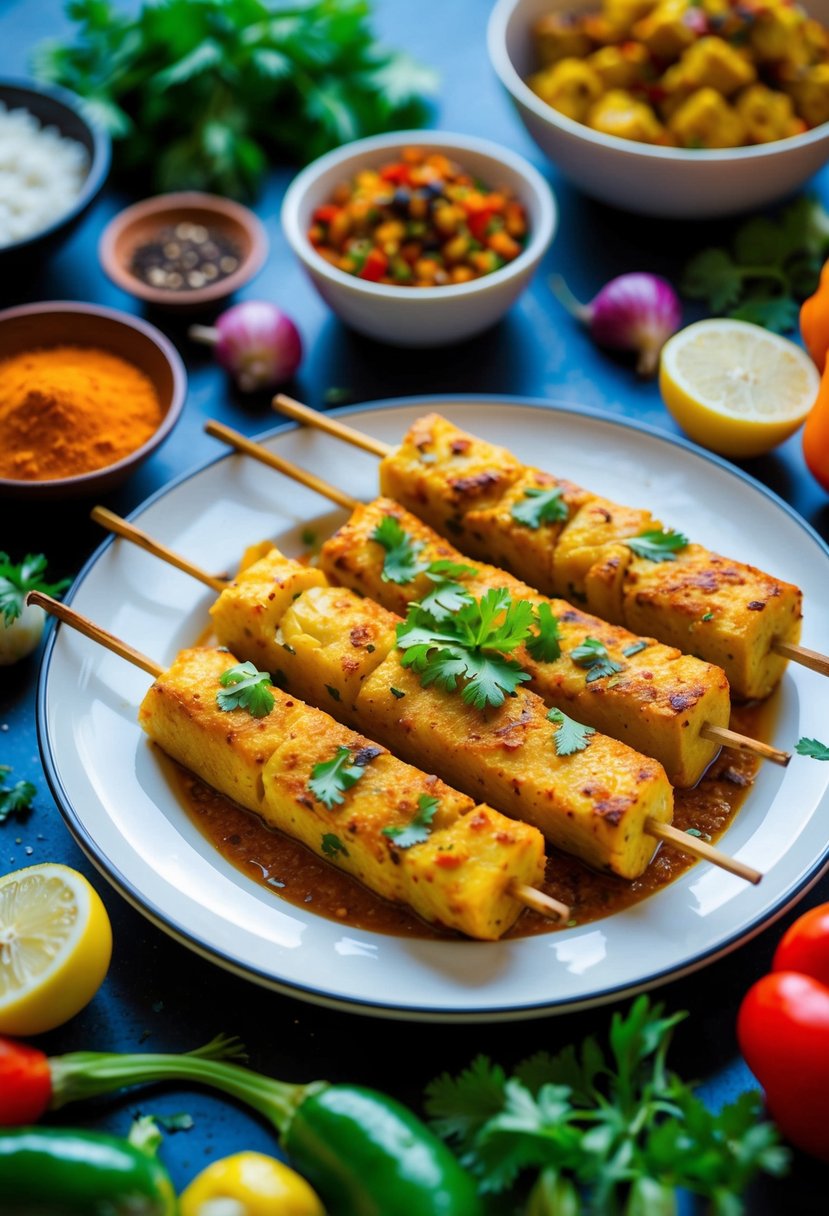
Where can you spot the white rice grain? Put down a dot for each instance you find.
(41, 174)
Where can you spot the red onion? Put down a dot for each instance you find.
(632, 312)
(256, 342)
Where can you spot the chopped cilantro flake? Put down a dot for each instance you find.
(540, 507)
(571, 736)
(331, 778)
(657, 545)
(248, 688)
(419, 828)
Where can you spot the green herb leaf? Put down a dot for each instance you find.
(444, 600)
(17, 581)
(544, 645)
(593, 655)
(812, 748)
(571, 736)
(249, 689)
(16, 799)
(635, 648)
(776, 313)
(540, 507)
(420, 827)
(331, 778)
(657, 546)
(401, 564)
(713, 277)
(332, 845)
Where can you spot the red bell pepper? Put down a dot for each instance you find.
(783, 1031)
(375, 266)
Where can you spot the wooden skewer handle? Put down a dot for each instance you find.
(242, 444)
(90, 630)
(539, 901)
(114, 523)
(331, 426)
(812, 659)
(700, 849)
(744, 743)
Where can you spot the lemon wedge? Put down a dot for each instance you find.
(736, 388)
(55, 947)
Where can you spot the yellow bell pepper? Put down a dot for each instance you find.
(249, 1184)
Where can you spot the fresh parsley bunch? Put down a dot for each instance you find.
(596, 1131)
(770, 267)
(202, 94)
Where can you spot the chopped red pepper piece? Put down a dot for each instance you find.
(326, 213)
(375, 266)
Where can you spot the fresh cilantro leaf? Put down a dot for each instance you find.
(657, 545)
(16, 799)
(593, 655)
(812, 748)
(17, 581)
(540, 507)
(571, 736)
(712, 276)
(420, 827)
(401, 564)
(444, 600)
(447, 569)
(331, 778)
(635, 648)
(332, 845)
(249, 689)
(469, 648)
(774, 312)
(544, 645)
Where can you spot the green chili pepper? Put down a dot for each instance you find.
(364, 1153)
(61, 1172)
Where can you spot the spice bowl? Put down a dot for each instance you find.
(183, 252)
(45, 327)
(429, 315)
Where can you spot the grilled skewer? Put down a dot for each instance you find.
(731, 614)
(264, 765)
(670, 706)
(607, 804)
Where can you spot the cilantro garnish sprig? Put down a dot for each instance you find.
(17, 581)
(402, 563)
(14, 799)
(657, 544)
(812, 748)
(331, 778)
(471, 647)
(603, 1128)
(245, 687)
(540, 507)
(593, 655)
(419, 828)
(770, 266)
(571, 736)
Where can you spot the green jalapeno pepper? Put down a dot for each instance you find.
(365, 1154)
(61, 1172)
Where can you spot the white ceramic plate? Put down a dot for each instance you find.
(117, 802)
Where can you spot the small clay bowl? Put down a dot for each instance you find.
(141, 223)
(57, 323)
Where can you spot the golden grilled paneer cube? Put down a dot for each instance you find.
(660, 704)
(621, 114)
(594, 803)
(589, 561)
(440, 472)
(664, 31)
(558, 36)
(713, 63)
(227, 750)
(331, 641)
(569, 86)
(498, 534)
(249, 611)
(266, 764)
(732, 611)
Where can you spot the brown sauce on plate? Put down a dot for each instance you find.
(293, 873)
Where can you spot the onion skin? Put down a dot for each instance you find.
(258, 344)
(636, 311)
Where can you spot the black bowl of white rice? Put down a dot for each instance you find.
(53, 164)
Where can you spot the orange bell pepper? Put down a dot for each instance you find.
(814, 321)
(816, 430)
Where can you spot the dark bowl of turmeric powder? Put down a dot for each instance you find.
(86, 395)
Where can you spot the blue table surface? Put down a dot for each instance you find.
(158, 995)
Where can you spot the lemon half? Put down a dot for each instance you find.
(736, 388)
(55, 947)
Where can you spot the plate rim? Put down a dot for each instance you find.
(148, 906)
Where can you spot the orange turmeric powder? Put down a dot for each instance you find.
(68, 410)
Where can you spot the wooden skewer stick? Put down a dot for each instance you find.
(812, 659)
(536, 899)
(531, 897)
(331, 426)
(717, 734)
(90, 630)
(702, 850)
(114, 523)
(743, 743)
